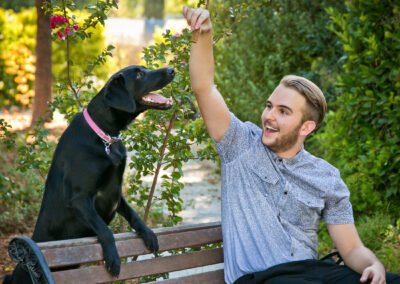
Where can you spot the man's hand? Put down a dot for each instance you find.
(355, 255)
(198, 19)
(375, 272)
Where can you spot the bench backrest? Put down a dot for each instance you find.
(88, 250)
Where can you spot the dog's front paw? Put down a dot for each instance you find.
(113, 264)
(150, 240)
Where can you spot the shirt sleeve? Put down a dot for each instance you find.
(338, 209)
(235, 140)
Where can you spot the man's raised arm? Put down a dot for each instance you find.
(201, 65)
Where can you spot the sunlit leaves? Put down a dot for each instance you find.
(163, 140)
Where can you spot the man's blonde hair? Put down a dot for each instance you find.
(316, 103)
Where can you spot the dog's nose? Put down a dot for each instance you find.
(171, 71)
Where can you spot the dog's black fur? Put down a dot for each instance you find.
(83, 187)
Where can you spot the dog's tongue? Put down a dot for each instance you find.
(156, 98)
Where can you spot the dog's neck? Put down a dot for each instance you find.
(109, 120)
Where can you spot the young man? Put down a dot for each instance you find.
(274, 193)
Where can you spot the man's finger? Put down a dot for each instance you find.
(189, 13)
(194, 19)
(201, 19)
(365, 275)
(377, 279)
(184, 11)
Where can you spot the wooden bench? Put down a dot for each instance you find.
(39, 257)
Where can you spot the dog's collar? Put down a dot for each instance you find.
(107, 139)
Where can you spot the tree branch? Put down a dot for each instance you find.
(159, 164)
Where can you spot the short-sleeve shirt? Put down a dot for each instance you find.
(272, 207)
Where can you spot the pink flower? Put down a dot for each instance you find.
(178, 35)
(76, 27)
(67, 31)
(56, 19)
(60, 35)
(53, 22)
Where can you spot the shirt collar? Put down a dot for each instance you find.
(290, 161)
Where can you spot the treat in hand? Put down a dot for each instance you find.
(198, 20)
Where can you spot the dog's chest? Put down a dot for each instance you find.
(106, 204)
(117, 154)
(108, 191)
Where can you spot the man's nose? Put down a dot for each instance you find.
(269, 114)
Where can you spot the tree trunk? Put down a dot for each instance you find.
(43, 75)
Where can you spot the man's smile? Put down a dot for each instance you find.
(269, 130)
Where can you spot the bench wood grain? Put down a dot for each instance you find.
(74, 256)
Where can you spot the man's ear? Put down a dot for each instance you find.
(307, 128)
(117, 96)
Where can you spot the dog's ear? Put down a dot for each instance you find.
(117, 96)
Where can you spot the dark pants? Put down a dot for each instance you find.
(309, 272)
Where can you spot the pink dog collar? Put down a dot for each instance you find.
(107, 139)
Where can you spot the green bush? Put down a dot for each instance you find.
(21, 185)
(361, 137)
(276, 39)
(16, 5)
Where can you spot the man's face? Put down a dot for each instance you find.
(282, 119)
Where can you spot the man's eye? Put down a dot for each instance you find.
(283, 111)
(140, 75)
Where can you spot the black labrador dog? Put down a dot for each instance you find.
(83, 188)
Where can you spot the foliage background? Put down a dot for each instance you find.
(278, 38)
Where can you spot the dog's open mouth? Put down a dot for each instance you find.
(157, 101)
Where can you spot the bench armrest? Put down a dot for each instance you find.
(24, 251)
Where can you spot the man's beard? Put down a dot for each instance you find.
(285, 142)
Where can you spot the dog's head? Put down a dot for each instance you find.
(131, 89)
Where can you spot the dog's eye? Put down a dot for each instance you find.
(140, 75)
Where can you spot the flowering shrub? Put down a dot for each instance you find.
(19, 29)
(164, 140)
(75, 88)
(64, 26)
(17, 42)
(57, 19)
(20, 64)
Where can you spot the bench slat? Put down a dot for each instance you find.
(99, 274)
(58, 257)
(125, 236)
(210, 277)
